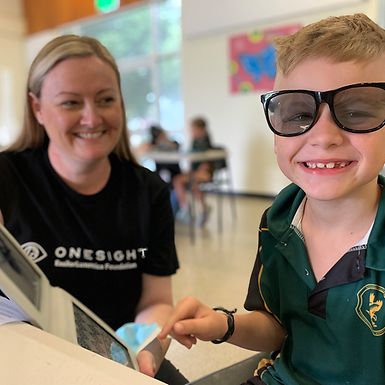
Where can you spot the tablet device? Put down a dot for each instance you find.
(52, 308)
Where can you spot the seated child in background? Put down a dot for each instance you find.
(317, 291)
(167, 171)
(161, 142)
(201, 172)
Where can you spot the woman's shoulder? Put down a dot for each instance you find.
(143, 175)
(19, 156)
(149, 178)
(18, 169)
(18, 159)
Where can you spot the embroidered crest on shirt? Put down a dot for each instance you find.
(371, 308)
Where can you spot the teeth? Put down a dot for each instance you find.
(326, 165)
(89, 135)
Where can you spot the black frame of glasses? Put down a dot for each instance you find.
(320, 97)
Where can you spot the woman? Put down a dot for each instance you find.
(99, 225)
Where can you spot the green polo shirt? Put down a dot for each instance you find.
(336, 327)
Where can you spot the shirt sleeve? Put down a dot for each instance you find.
(162, 257)
(254, 299)
(8, 193)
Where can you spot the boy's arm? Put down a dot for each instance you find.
(193, 320)
(257, 330)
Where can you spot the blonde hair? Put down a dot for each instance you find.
(343, 38)
(57, 50)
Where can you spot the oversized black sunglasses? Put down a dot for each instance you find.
(358, 108)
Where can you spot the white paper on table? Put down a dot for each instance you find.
(11, 312)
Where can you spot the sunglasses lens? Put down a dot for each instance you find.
(360, 109)
(291, 113)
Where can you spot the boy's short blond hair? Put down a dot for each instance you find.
(340, 38)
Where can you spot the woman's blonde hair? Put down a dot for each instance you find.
(57, 50)
(342, 38)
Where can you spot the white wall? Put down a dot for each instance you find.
(237, 121)
(12, 68)
(205, 16)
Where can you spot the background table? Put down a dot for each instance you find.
(180, 157)
(185, 160)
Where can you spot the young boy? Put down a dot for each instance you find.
(317, 291)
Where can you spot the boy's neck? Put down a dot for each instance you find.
(352, 211)
(340, 225)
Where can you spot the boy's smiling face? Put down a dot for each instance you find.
(354, 160)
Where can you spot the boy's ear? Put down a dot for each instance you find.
(36, 106)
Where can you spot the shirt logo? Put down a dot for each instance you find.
(34, 251)
(371, 308)
(80, 258)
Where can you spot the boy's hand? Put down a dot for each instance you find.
(192, 320)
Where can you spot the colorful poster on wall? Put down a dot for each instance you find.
(252, 59)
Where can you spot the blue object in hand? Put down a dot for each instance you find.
(138, 335)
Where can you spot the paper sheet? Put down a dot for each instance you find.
(11, 312)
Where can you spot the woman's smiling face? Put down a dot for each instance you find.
(80, 108)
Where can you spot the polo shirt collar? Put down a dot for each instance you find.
(375, 256)
(280, 217)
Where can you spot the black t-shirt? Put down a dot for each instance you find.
(94, 246)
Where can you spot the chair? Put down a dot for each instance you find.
(220, 185)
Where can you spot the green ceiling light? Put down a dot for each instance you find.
(106, 6)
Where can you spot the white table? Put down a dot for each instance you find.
(31, 356)
(188, 158)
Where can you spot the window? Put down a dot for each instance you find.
(145, 40)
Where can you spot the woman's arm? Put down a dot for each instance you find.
(1, 218)
(155, 305)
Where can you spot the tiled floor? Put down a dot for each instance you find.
(216, 269)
